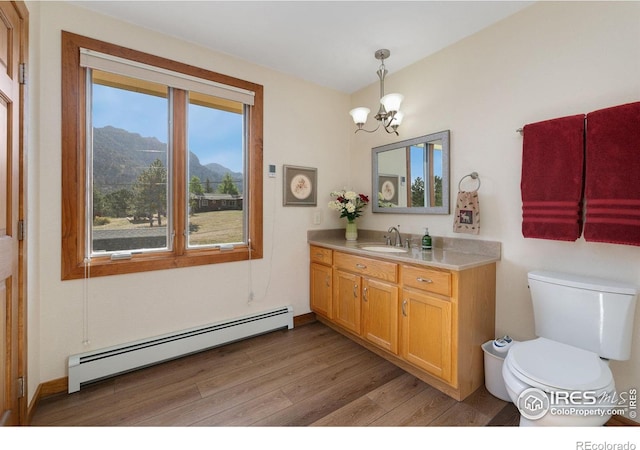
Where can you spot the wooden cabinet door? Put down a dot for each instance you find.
(380, 314)
(346, 300)
(321, 289)
(426, 333)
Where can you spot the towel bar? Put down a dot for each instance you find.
(474, 176)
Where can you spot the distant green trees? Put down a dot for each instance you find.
(207, 186)
(148, 196)
(195, 189)
(150, 192)
(417, 191)
(437, 181)
(114, 204)
(227, 186)
(118, 202)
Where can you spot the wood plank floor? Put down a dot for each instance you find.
(308, 376)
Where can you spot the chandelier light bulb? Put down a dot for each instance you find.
(360, 115)
(391, 102)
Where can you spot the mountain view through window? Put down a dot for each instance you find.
(131, 167)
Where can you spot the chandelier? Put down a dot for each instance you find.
(389, 114)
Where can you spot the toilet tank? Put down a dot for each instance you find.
(585, 312)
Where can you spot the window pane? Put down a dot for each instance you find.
(426, 174)
(435, 154)
(418, 175)
(216, 213)
(129, 164)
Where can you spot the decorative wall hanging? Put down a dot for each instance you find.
(467, 215)
(299, 186)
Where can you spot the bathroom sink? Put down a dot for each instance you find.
(383, 248)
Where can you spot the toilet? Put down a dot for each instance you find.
(562, 378)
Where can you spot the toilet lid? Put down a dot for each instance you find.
(559, 365)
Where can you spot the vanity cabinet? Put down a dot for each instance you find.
(346, 305)
(367, 307)
(366, 298)
(426, 333)
(430, 321)
(426, 320)
(321, 281)
(380, 314)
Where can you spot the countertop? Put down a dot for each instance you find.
(447, 253)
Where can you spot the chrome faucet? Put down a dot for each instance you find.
(398, 242)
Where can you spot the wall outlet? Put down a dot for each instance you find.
(317, 217)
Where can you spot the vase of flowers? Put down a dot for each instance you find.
(350, 205)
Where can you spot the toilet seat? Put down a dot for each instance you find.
(551, 366)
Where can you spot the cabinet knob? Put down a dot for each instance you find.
(424, 280)
(404, 308)
(355, 290)
(364, 294)
(361, 266)
(328, 280)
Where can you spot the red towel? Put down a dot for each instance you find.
(612, 185)
(552, 174)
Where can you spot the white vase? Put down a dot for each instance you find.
(351, 232)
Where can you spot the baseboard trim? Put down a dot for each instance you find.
(33, 405)
(304, 319)
(54, 387)
(44, 390)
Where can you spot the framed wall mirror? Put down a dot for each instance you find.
(412, 176)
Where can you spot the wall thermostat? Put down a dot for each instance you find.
(272, 170)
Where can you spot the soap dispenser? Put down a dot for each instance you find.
(426, 240)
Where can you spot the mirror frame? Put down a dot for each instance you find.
(375, 188)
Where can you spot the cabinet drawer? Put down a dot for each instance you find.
(427, 280)
(365, 266)
(321, 255)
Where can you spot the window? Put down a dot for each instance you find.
(162, 162)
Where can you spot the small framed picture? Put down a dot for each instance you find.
(300, 186)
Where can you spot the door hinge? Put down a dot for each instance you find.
(21, 230)
(22, 73)
(20, 387)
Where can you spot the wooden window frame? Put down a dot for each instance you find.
(74, 91)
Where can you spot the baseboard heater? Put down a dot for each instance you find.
(99, 364)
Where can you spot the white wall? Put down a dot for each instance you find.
(550, 60)
(300, 128)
